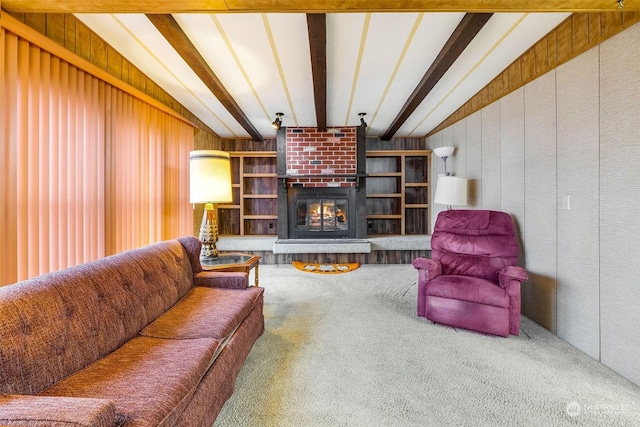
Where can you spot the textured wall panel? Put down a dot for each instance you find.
(512, 165)
(540, 200)
(491, 157)
(620, 202)
(460, 155)
(578, 301)
(512, 160)
(474, 159)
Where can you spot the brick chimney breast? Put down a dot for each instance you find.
(311, 152)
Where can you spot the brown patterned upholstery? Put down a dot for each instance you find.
(76, 332)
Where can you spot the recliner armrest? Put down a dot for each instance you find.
(511, 272)
(28, 410)
(432, 267)
(220, 279)
(426, 263)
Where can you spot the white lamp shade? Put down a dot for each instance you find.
(451, 190)
(443, 151)
(210, 177)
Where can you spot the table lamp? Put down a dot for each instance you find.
(451, 191)
(210, 182)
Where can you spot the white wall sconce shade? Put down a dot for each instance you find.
(443, 153)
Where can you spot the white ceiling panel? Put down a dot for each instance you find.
(425, 38)
(386, 33)
(505, 37)
(465, 67)
(344, 43)
(374, 63)
(295, 67)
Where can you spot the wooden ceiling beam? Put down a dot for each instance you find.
(311, 6)
(317, 27)
(467, 29)
(171, 31)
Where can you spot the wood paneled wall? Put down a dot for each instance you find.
(374, 257)
(396, 144)
(68, 31)
(575, 35)
(227, 144)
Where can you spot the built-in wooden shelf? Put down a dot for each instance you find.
(398, 191)
(254, 210)
(382, 195)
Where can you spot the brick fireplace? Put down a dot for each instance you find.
(321, 212)
(322, 190)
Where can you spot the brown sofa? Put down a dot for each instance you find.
(141, 338)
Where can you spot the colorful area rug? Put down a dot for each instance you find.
(325, 268)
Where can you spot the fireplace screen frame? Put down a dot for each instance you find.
(309, 224)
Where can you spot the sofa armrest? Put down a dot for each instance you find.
(41, 411)
(220, 279)
(431, 268)
(511, 272)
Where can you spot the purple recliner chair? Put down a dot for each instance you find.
(472, 280)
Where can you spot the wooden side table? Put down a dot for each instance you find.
(233, 261)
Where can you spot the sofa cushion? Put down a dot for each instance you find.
(206, 312)
(471, 289)
(150, 380)
(39, 411)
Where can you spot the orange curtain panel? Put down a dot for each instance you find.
(86, 168)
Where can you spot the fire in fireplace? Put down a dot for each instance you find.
(321, 215)
(320, 212)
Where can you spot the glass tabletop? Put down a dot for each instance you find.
(226, 259)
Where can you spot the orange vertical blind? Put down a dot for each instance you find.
(87, 169)
(146, 170)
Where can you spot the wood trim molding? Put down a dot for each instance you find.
(574, 36)
(309, 6)
(11, 24)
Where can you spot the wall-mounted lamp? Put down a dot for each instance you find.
(362, 122)
(451, 191)
(277, 123)
(209, 182)
(443, 153)
(620, 4)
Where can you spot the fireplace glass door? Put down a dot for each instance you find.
(324, 216)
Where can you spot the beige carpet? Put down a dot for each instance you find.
(348, 350)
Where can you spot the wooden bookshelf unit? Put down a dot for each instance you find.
(254, 210)
(398, 192)
(397, 185)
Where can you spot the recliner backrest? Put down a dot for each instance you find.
(474, 243)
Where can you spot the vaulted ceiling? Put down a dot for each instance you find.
(407, 69)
